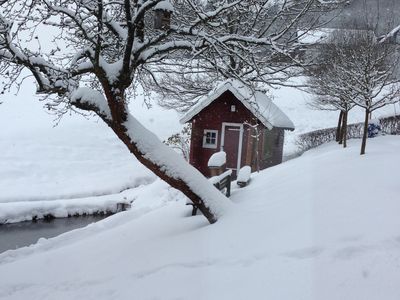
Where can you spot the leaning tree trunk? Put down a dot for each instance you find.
(155, 155)
(165, 162)
(339, 129)
(365, 132)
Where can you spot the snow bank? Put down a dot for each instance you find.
(26, 211)
(316, 227)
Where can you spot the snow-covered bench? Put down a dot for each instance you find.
(221, 182)
(222, 178)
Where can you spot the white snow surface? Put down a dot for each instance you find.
(217, 159)
(322, 226)
(257, 102)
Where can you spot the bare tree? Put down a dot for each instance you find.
(328, 83)
(365, 73)
(265, 58)
(101, 50)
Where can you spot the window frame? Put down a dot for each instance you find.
(208, 145)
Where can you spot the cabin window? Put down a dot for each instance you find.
(210, 138)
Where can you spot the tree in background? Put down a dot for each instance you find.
(329, 84)
(181, 141)
(356, 70)
(91, 55)
(371, 69)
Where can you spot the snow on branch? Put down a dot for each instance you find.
(89, 99)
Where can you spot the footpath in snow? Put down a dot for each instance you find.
(322, 226)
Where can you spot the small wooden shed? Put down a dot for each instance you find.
(246, 124)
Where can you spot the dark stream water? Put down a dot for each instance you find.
(16, 235)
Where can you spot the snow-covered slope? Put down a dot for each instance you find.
(322, 226)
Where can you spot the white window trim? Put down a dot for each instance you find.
(207, 145)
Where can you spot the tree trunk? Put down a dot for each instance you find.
(338, 130)
(365, 133)
(344, 129)
(165, 162)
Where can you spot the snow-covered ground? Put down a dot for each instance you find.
(322, 226)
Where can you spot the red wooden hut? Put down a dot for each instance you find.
(246, 124)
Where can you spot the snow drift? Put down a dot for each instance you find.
(323, 226)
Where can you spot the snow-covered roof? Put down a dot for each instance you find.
(257, 102)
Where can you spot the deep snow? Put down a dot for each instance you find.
(322, 226)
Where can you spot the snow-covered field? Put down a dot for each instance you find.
(322, 226)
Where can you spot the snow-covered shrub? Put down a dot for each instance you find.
(181, 141)
(390, 125)
(374, 128)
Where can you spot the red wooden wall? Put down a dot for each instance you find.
(212, 117)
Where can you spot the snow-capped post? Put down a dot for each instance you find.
(217, 163)
(162, 15)
(243, 176)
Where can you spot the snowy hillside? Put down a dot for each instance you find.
(322, 226)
